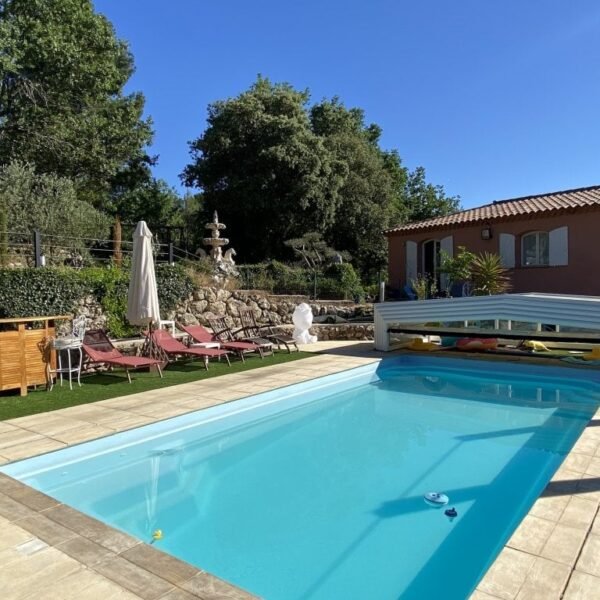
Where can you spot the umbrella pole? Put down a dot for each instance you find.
(149, 348)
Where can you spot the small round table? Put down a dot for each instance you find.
(71, 349)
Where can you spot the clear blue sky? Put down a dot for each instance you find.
(494, 99)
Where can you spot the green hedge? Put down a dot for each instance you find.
(55, 291)
(333, 282)
(39, 292)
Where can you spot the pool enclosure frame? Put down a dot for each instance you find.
(553, 309)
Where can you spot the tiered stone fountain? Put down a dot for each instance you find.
(224, 265)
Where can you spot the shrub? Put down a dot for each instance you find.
(290, 279)
(336, 281)
(489, 276)
(174, 284)
(424, 286)
(39, 292)
(49, 291)
(3, 235)
(348, 285)
(483, 271)
(109, 287)
(256, 277)
(49, 203)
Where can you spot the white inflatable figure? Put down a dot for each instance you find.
(302, 319)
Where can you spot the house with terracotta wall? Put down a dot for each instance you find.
(549, 242)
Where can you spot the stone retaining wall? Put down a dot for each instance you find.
(268, 308)
(203, 304)
(344, 331)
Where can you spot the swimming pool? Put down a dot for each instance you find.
(316, 490)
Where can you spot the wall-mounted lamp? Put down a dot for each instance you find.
(486, 233)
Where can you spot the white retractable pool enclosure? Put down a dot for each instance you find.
(575, 312)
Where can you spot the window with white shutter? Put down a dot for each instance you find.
(411, 261)
(535, 249)
(507, 250)
(558, 254)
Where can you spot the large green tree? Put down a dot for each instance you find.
(424, 200)
(137, 195)
(259, 164)
(48, 203)
(62, 105)
(370, 198)
(276, 168)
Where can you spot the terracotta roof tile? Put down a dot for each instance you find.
(567, 200)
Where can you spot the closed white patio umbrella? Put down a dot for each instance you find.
(142, 299)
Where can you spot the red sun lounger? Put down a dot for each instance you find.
(100, 350)
(171, 348)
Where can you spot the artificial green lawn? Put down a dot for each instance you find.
(111, 385)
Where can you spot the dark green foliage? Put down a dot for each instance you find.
(484, 272)
(337, 282)
(260, 165)
(173, 285)
(314, 251)
(290, 280)
(424, 200)
(49, 204)
(39, 292)
(110, 286)
(44, 292)
(62, 105)
(276, 168)
(276, 277)
(137, 196)
(370, 199)
(256, 277)
(347, 281)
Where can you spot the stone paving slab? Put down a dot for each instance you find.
(54, 551)
(555, 551)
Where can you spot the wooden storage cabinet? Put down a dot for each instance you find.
(25, 352)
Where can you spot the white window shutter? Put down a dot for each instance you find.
(507, 250)
(447, 246)
(446, 249)
(559, 247)
(411, 261)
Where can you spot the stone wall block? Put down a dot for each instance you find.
(199, 306)
(263, 303)
(223, 295)
(188, 319)
(217, 307)
(233, 307)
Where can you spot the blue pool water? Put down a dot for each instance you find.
(317, 491)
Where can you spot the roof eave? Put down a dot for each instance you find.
(497, 219)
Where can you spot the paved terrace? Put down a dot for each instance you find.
(49, 550)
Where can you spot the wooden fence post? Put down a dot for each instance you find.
(117, 239)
